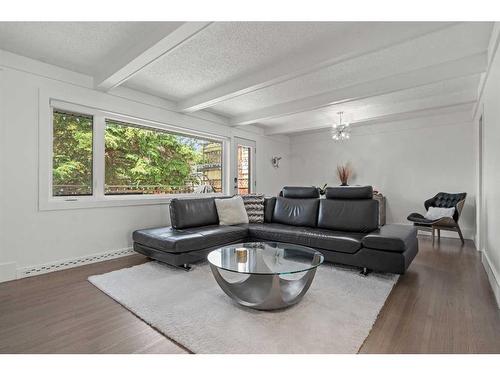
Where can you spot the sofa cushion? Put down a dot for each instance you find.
(312, 237)
(183, 240)
(300, 192)
(254, 205)
(349, 192)
(391, 237)
(299, 212)
(231, 211)
(349, 215)
(269, 204)
(195, 212)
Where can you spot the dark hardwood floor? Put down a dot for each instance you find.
(443, 304)
(62, 312)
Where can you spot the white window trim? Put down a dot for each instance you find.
(47, 201)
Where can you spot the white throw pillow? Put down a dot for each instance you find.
(436, 213)
(231, 211)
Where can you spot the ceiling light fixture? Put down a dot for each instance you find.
(341, 131)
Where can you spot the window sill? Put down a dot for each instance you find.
(73, 203)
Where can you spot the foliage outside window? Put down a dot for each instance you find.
(141, 160)
(72, 154)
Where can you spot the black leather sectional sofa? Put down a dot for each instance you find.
(343, 226)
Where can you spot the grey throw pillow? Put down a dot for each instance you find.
(254, 205)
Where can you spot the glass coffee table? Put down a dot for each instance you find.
(274, 275)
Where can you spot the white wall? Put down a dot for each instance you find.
(31, 237)
(271, 180)
(488, 238)
(408, 161)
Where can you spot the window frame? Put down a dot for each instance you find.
(98, 198)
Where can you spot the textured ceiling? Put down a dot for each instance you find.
(436, 94)
(226, 50)
(460, 41)
(229, 50)
(79, 46)
(284, 76)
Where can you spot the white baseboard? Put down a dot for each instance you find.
(493, 276)
(70, 263)
(7, 271)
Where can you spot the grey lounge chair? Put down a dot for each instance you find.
(445, 200)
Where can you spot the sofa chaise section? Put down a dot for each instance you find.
(183, 240)
(194, 232)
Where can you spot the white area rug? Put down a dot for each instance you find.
(335, 315)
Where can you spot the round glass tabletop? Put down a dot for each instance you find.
(265, 258)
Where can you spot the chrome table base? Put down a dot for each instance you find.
(265, 292)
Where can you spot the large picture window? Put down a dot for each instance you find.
(101, 158)
(145, 160)
(72, 137)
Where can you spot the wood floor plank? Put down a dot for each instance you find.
(443, 304)
(62, 312)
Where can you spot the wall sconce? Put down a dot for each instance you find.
(275, 160)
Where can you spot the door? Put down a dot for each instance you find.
(244, 174)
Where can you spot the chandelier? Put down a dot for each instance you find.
(341, 131)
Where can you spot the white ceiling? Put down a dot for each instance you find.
(285, 77)
(225, 51)
(77, 46)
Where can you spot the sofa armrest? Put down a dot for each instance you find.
(391, 237)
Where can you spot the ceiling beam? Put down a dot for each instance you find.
(452, 115)
(166, 38)
(450, 92)
(396, 113)
(372, 37)
(420, 77)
